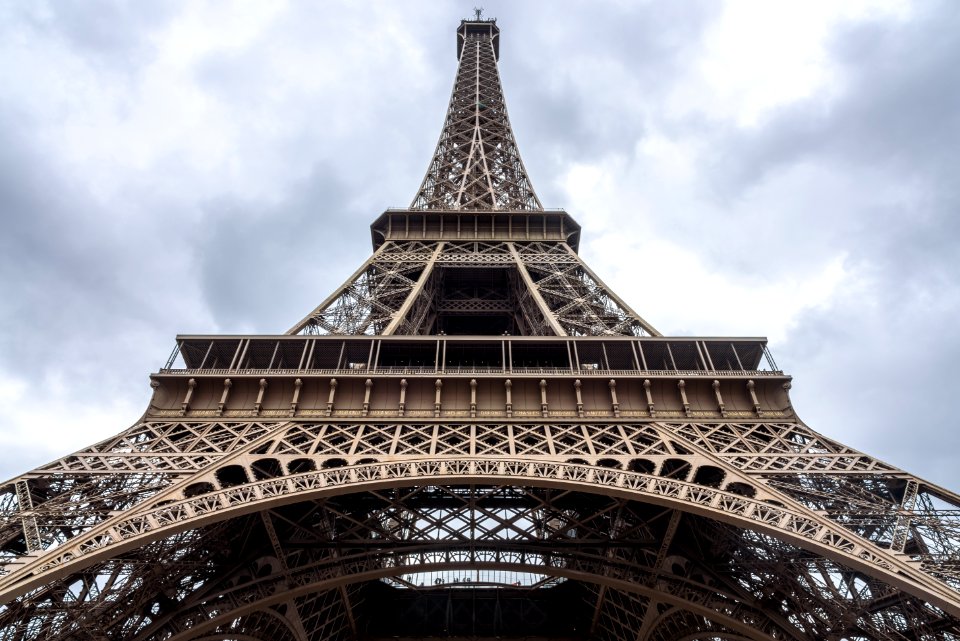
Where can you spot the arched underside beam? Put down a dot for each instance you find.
(704, 636)
(174, 514)
(202, 619)
(229, 637)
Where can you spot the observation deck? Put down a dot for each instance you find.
(476, 377)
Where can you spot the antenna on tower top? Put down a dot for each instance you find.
(479, 12)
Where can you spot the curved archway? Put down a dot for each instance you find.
(684, 596)
(155, 521)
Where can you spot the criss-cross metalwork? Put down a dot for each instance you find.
(477, 163)
(475, 438)
(533, 288)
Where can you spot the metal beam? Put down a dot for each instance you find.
(401, 313)
(548, 315)
(299, 327)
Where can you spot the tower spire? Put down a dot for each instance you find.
(477, 164)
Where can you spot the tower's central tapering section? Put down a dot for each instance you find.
(475, 253)
(477, 163)
(474, 438)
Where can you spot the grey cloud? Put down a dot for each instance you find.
(263, 267)
(873, 366)
(876, 377)
(627, 55)
(55, 251)
(868, 176)
(897, 111)
(84, 303)
(904, 108)
(112, 34)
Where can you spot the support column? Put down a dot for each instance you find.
(31, 533)
(296, 329)
(548, 315)
(609, 292)
(401, 313)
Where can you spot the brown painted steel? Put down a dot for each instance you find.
(475, 438)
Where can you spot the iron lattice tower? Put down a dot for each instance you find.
(472, 438)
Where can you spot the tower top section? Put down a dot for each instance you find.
(485, 28)
(477, 164)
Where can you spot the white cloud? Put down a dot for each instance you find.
(761, 55)
(730, 165)
(46, 419)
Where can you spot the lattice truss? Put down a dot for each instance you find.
(621, 531)
(371, 299)
(544, 286)
(308, 531)
(477, 163)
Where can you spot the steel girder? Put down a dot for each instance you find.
(630, 529)
(813, 548)
(477, 163)
(551, 291)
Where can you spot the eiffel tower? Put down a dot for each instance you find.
(474, 438)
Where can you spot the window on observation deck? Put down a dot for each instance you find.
(408, 354)
(540, 355)
(466, 355)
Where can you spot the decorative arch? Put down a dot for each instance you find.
(160, 517)
(686, 597)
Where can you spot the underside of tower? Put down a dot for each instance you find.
(474, 438)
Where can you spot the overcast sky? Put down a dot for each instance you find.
(787, 170)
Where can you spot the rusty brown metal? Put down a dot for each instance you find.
(474, 438)
(477, 163)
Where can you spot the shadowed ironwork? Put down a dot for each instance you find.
(475, 438)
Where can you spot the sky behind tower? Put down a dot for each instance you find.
(743, 168)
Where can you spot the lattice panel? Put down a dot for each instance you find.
(477, 163)
(73, 494)
(778, 447)
(637, 530)
(398, 291)
(581, 303)
(751, 582)
(371, 298)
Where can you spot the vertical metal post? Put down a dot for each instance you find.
(307, 346)
(234, 364)
(672, 360)
(31, 532)
(643, 357)
(706, 352)
(772, 364)
(273, 357)
(737, 356)
(207, 354)
(636, 360)
(703, 360)
(173, 355)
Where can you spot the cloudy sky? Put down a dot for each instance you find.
(763, 168)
